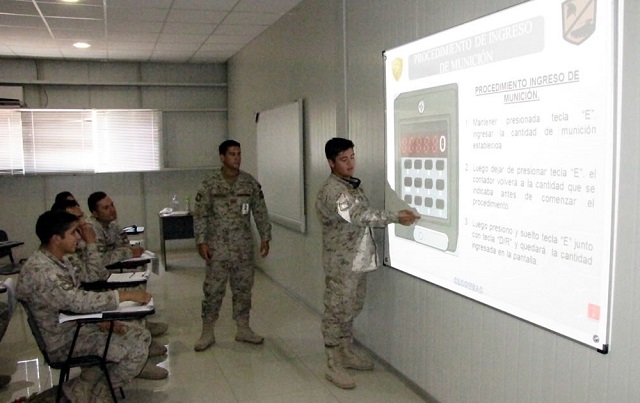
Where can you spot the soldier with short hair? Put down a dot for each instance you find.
(225, 202)
(349, 252)
(48, 284)
(112, 241)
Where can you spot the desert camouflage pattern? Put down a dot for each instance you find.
(48, 285)
(113, 243)
(88, 261)
(349, 251)
(222, 219)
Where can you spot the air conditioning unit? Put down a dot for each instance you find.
(11, 96)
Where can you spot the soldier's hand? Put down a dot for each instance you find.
(408, 217)
(205, 251)
(118, 327)
(86, 232)
(264, 248)
(139, 296)
(137, 250)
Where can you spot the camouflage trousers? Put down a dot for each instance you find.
(240, 274)
(128, 352)
(344, 296)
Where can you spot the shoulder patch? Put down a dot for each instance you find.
(343, 203)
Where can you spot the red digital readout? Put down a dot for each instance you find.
(421, 145)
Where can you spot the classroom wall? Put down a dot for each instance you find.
(193, 101)
(454, 349)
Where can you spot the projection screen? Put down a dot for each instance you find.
(502, 134)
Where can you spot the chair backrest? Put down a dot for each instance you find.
(35, 330)
(4, 237)
(11, 294)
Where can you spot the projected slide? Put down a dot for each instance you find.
(502, 133)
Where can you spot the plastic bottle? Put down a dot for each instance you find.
(175, 203)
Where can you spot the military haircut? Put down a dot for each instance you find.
(63, 205)
(225, 145)
(64, 196)
(335, 146)
(52, 223)
(94, 198)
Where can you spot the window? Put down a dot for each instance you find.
(11, 155)
(83, 140)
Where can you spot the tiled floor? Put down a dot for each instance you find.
(288, 367)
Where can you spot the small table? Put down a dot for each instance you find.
(5, 249)
(174, 226)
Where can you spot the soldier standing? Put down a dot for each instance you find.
(224, 204)
(349, 252)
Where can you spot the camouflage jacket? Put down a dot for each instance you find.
(88, 261)
(347, 218)
(112, 242)
(222, 213)
(48, 285)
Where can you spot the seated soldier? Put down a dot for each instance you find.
(88, 261)
(48, 284)
(113, 243)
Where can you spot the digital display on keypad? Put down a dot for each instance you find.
(423, 153)
(426, 139)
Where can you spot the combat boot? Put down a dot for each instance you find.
(207, 338)
(352, 359)
(78, 390)
(156, 328)
(156, 349)
(101, 392)
(245, 334)
(151, 371)
(336, 373)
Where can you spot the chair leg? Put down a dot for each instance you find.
(106, 375)
(64, 376)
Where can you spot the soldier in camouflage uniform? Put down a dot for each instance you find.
(88, 262)
(112, 241)
(48, 284)
(224, 204)
(349, 252)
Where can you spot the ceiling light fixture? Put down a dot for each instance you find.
(81, 45)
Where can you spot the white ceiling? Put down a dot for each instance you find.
(182, 31)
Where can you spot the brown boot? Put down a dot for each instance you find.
(352, 359)
(336, 373)
(245, 334)
(151, 371)
(207, 338)
(156, 349)
(156, 328)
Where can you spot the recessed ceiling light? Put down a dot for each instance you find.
(70, 1)
(81, 45)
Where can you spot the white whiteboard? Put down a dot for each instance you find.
(281, 163)
(502, 133)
